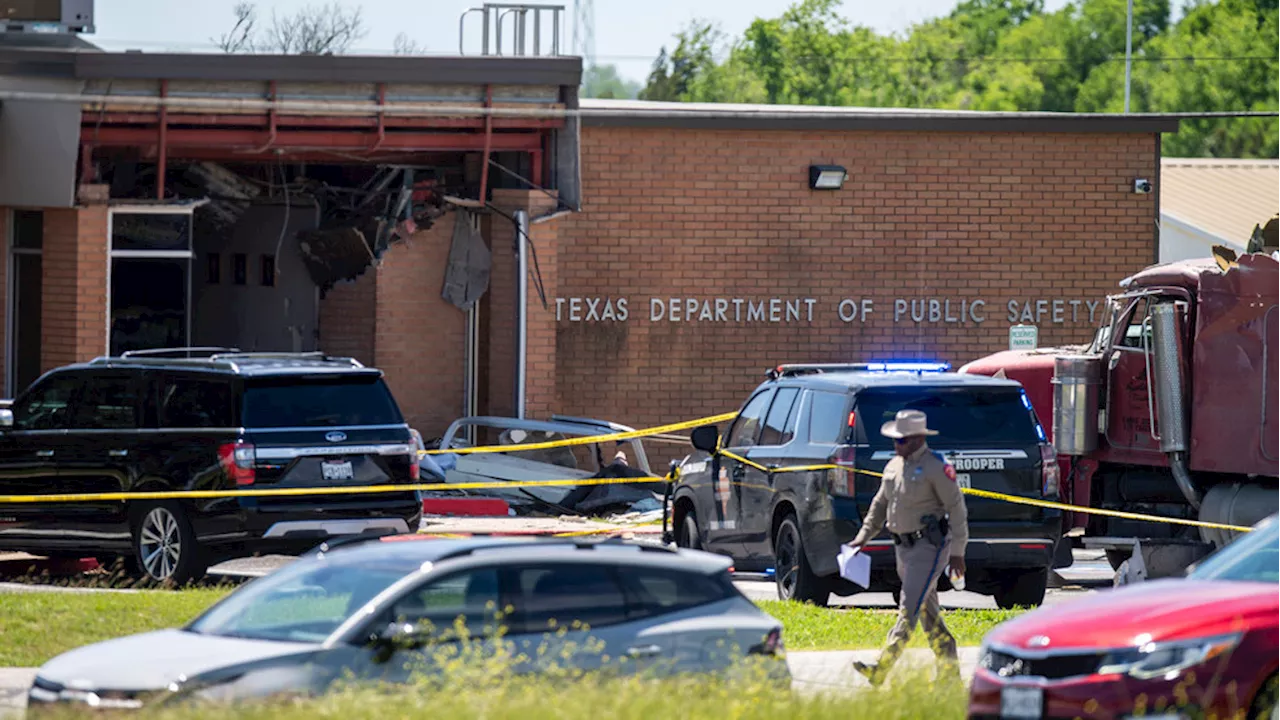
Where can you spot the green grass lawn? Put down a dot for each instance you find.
(36, 626)
(806, 627)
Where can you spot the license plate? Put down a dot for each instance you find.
(337, 471)
(1022, 703)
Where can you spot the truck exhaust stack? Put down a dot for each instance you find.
(1169, 421)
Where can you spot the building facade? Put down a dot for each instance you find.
(671, 254)
(948, 231)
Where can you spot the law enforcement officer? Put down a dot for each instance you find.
(923, 507)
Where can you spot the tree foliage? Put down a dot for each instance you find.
(1003, 55)
(603, 81)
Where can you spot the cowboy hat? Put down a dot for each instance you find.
(908, 423)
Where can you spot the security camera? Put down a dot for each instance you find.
(1142, 186)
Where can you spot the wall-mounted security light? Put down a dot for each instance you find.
(826, 177)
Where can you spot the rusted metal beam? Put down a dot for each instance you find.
(271, 124)
(535, 165)
(162, 151)
(319, 140)
(392, 122)
(382, 118)
(488, 138)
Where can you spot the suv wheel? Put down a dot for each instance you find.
(796, 580)
(1025, 589)
(165, 545)
(687, 535)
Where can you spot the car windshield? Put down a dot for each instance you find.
(302, 403)
(303, 602)
(1255, 557)
(963, 417)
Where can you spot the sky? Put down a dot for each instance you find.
(624, 37)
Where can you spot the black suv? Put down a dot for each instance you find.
(831, 415)
(225, 420)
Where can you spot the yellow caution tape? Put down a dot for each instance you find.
(1000, 496)
(294, 492)
(576, 482)
(590, 440)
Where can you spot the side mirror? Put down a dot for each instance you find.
(705, 438)
(6, 418)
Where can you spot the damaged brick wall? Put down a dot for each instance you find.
(729, 214)
(420, 337)
(347, 312)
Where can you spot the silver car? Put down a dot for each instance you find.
(379, 609)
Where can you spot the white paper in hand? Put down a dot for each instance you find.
(855, 566)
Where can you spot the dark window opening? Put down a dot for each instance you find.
(268, 270)
(240, 268)
(28, 229)
(148, 303)
(213, 268)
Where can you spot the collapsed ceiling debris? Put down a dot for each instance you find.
(357, 224)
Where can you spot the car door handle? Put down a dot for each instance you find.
(642, 651)
(117, 453)
(44, 453)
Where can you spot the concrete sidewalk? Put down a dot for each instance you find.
(812, 672)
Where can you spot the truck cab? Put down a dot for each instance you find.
(1171, 409)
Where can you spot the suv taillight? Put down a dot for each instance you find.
(842, 481)
(1049, 469)
(238, 459)
(415, 470)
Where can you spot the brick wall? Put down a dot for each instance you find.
(420, 337)
(73, 312)
(700, 214)
(347, 312)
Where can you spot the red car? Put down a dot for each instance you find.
(1203, 646)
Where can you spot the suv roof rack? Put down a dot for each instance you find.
(223, 358)
(159, 352)
(793, 370)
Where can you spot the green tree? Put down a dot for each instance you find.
(603, 81)
(673, 75)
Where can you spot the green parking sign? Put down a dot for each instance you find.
(1023, 337)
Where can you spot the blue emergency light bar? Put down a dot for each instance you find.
(916, 367)
(908, 367)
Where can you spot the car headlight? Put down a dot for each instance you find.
(1155, 660)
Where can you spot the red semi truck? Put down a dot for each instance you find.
(1170, 411)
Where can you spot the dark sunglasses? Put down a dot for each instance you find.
(901, 441)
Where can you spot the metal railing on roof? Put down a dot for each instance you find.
(494, 14)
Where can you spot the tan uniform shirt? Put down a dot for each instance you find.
(921, 484)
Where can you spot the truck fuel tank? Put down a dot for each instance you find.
(1077, 381)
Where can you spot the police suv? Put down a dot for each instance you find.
(793, 523)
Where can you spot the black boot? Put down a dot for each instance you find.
(871, 671)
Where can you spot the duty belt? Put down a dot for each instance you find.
(907, 539)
